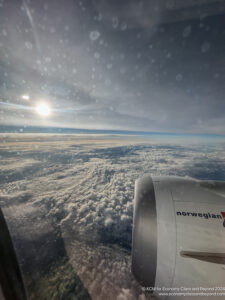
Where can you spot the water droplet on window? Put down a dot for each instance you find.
(123, 26)
(187, 31)
(115, 22)
(122, 70)
(109, 66)
(179, 77)
(29, 45)
(96, 55)
(4, 32)
(205, 47)
(94, 35)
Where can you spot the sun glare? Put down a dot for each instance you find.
(25, 97)
(43, 109)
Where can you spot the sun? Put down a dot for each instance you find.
(25, 97)
(43, 109)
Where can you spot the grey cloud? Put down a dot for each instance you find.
(155, 73)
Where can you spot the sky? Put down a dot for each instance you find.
(122, 65)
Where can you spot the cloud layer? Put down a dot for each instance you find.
(71, 195)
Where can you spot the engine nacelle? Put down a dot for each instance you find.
(179, 235)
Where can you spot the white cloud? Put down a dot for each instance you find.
(87, 192)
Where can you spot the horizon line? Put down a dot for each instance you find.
(55, 129)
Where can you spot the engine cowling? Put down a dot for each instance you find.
(179, 235)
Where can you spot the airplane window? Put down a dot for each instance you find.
(112, 138)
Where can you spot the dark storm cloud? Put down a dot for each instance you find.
(113, 64)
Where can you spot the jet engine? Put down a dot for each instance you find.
(178, 243)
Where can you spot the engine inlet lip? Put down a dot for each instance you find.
(144, 235)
